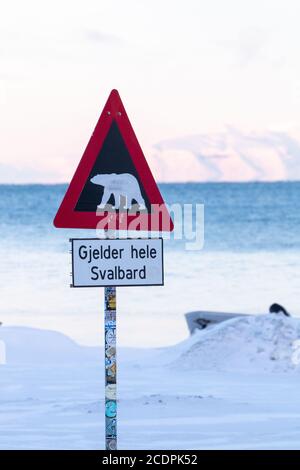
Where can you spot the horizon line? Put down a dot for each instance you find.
(163, 182)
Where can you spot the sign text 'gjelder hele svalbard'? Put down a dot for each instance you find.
(121, 262)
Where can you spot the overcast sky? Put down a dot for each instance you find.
(182, 68)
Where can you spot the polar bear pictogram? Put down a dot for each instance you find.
(122, 185)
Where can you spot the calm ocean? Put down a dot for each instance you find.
(250, 259)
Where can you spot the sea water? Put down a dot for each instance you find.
(250, 259)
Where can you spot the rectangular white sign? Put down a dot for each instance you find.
(118, 262)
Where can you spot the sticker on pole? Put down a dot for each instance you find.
(120, 262)
(113, 187)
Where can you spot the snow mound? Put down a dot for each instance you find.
(36, 346)
(253, 343)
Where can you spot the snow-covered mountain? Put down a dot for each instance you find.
(231, 155)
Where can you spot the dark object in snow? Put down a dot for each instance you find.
(276, 308)
(203, 319)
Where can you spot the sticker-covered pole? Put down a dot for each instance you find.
(110, 369)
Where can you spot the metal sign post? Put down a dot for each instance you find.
(110, 368)
(110, 263)
(107, 263)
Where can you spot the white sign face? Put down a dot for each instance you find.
(117, 262)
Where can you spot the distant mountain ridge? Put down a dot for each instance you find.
(232, 155)
(228, 156)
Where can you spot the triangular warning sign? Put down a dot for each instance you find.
(113, 187)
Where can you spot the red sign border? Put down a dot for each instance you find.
(67, 217)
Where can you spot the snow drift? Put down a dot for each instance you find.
(31, 346)
(260, 343)
(253, 343)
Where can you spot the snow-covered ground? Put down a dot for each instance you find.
(235, 386)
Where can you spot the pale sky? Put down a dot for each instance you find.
(182, 69)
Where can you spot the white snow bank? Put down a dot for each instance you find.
(253, 343)
(31, 346)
